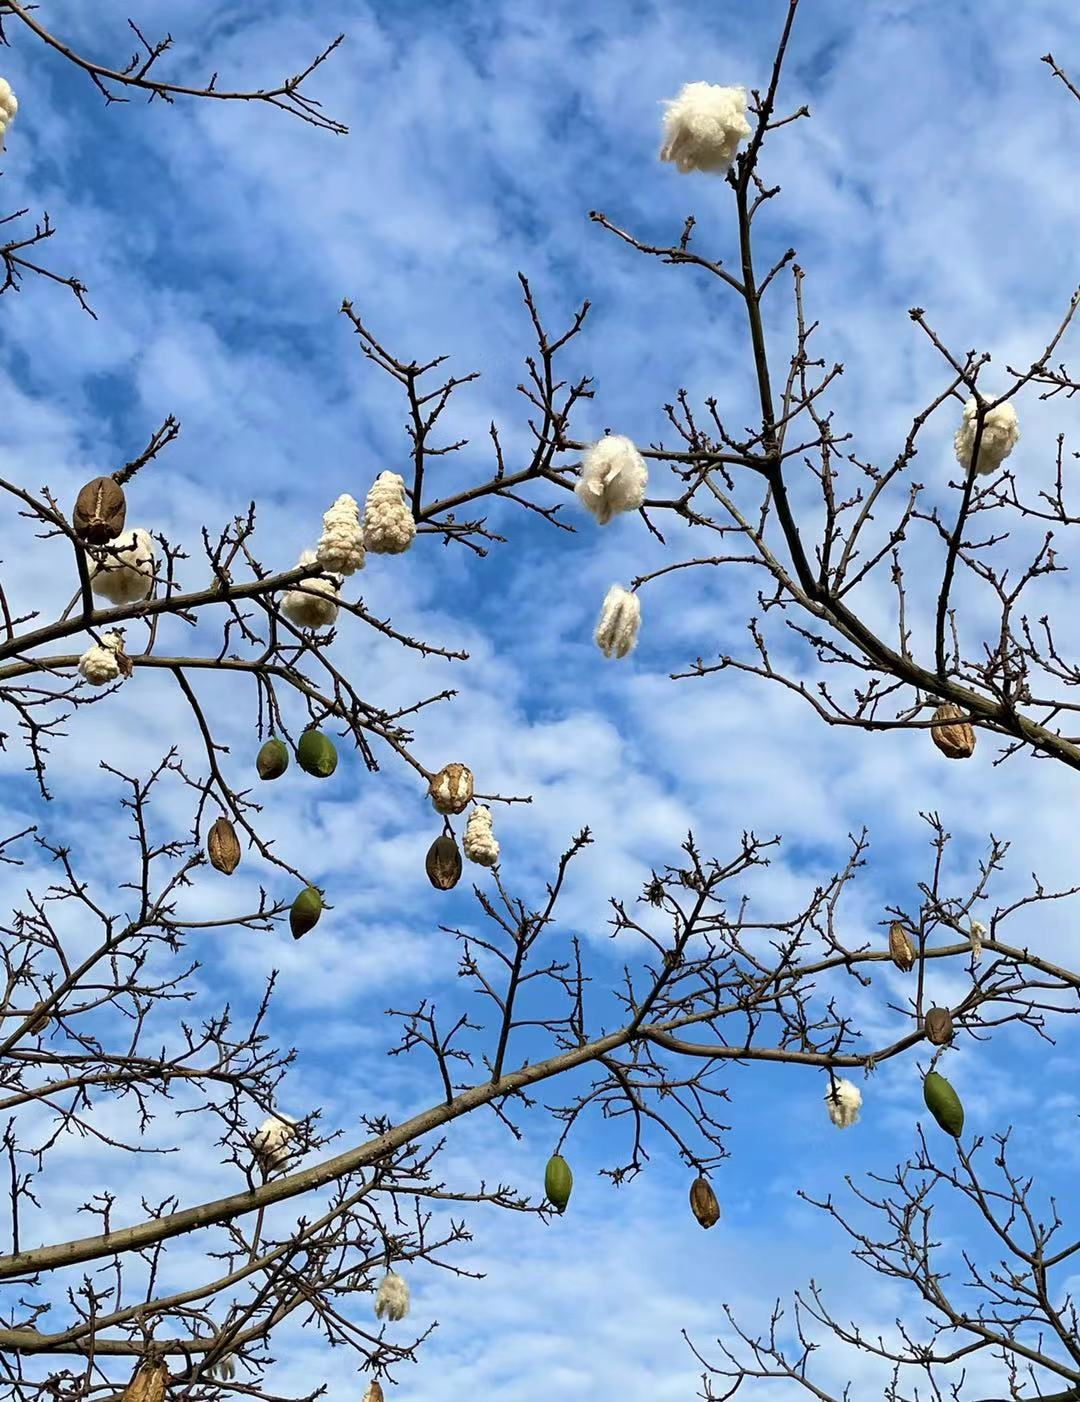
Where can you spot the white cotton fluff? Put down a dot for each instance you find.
(620, 618)
(613, 478)
(976, 935)
(703, 127)
(8, 107)
(389, 527)
(98, 664)
(315, 603)
(125, 572)
(843, 1102)
(480, 843)
(272, 1140)
(1001, 431)
(393, 1297)
(341, 545)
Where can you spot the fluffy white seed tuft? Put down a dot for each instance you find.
(272, 1142)
(389, 527)
(124, 573)
(613, 478)
(392, 1300)
(341, 545)
(99, 664)
(703, 126)
(843, 1101)
(8, 107)
(314, 603)
(620, 618)
(480, 842)
(1001, 431)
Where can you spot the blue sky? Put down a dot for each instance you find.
(217, 243)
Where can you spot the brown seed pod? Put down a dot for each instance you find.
(148, 1385)
(222, 847)
(443, 863)
(100, 510)
(901, 948)
(451, 789)
(40, 1022)
(951, 733)
(939, 1026)
(703, 1203)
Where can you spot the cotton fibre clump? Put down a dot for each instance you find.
(613, 478)
(703, 126)
(620, 618)
(314, 604)
(481, 844)
(341, 545)
(389, 527)
(976, 935)
(99, 664)
(1001, 431)
(843, 1100)
(124, 573)
(392, 1300)
(272, 1141)
(8, 107)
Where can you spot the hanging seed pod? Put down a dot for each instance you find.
(558, 1180)
(451, 789)
(273, 759)
(951, 733)
(149, 1384)
(443, 863)
(100, 511)
(40, 1022)
(316, 754)
(223, 847)
(703, 1203)
(305, 912)
(901, 948)
(944, 1104)
(939, 1026)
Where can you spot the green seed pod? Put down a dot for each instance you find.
(305, 912)
(558, 1180)
(316, 754)
(944, 1104)
(272, 760)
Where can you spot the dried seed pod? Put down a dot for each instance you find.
(944, 1104)
(901, 948)
(951, 733)
(305, 911)
(939, 1026)
(443, 863)
(40, 1022)
(316, 754)
(558, 1181)
(703, 1203)
(100, 511)
(273, 759)
(149, 1384)
(223, 847)
(451, 789)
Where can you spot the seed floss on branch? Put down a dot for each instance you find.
(613, 478)
(703, 126)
